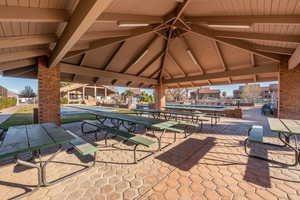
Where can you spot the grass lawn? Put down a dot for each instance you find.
(24, 116)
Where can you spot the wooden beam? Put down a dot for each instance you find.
(182, 6)
(143, 52)
(166, 49)
(17, 64)
(19, 55)
(28, 40)
(266, 68)
(258, 36)
(245, 20)
(274, 49)
(177, 65)
(97, 35)
(208, 33)
(92, 72)
(104, 17)
(19, 71)
(294, 61)
(113, 55)
(189, 48)
(158, 56)
(82, 18)
(23, 14)
(220, 55)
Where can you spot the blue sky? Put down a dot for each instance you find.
(18, 84)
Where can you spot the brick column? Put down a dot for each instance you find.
(160, 98)
(49, 93)
(289, 92)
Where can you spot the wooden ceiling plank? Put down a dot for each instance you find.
(158, 56)
(82, 18)
(141, 54)
(258, 36)
(189, 48)
(104, 17)
(220, 55)
(24, 14)
(92, 72)
(266, 68)
(209, 33)
(177, 64)
(28, 40)
(19, 71)
(19, 55)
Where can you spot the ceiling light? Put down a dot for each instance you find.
(192, 57)
(132, 24)
(228, 26)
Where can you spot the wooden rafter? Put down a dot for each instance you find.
(177, 64)
(294, 61)
(141, 54)
(19, 55)
(258, 36)
(180, 10)
(19, 71)
(252, 61)
(82, 18)
(245, 20)
(221, 58)
(28, 40)
(208, 33)
(106, 66)
(23, 14)
(97, 35)
(158, 56)
(274, 49)
(166, 49)
(92, 72)
(266, 68)
(17, 64)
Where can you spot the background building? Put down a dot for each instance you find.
(205, 93)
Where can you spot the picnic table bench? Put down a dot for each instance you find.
(286, 130)
(36, 137)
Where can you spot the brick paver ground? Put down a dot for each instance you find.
(210, 164)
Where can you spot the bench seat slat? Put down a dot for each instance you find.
(81, 145)
(256, 134)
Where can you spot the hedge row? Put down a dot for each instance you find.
(6, 102)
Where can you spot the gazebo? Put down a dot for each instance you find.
(151, 44)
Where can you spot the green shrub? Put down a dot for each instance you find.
(63, 100)
(6, 102)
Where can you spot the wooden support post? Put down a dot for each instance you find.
(160, 98)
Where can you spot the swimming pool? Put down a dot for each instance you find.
(191, 106)
(71, 110)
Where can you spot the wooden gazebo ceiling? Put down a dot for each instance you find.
(182, 46)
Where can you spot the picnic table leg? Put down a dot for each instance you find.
(39, 171)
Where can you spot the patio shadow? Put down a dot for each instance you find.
(187, 154)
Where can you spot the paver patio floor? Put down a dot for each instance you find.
(210, 164)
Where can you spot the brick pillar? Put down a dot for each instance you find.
(49, 93)
(289, 92)
(160, 98)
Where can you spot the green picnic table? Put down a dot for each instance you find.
(286, 129)
(33, 139)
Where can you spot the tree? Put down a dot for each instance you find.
(176, 94)
(146, 97)
(224, 94)
(250, 92)
(27, 92)
(63, 84)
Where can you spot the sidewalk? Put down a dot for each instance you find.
(7, 112)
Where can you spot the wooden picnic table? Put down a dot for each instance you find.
(287, 129)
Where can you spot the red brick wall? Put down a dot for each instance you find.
(49, 95)
(289, 93)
